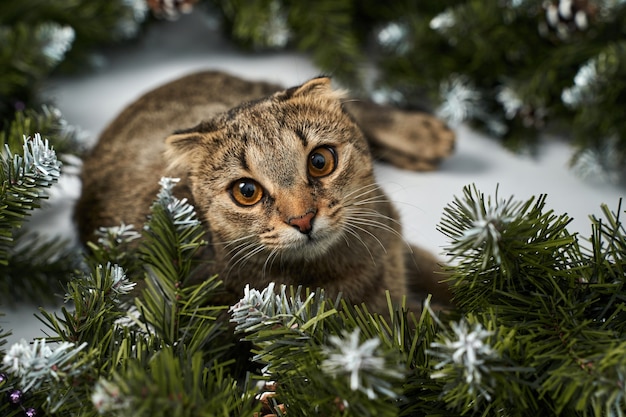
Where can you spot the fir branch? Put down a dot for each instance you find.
(116, 20)
(172, 234)
(505, 235)
(293, 336)
(180, 312)
(48, 374)
(422, 395)
(34, 364)
(96, 306)
(174, 384)
(23, 180)
(555, 289)
(38, 38)
(332, 22)
(280, 23)
(546, 339)
(589, 336)
(117, 245)
(476, 367)
(67, 139)
(25, 64)
(368, 370)
(265, 309)
(47, 263)
(553, 71)
(163, 355)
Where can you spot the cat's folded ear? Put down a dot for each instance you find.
(183, 147)
(319, 87)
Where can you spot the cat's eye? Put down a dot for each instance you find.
(322, 162)
(246, 192)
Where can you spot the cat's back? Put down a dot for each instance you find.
(120, 175)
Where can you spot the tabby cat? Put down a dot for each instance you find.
(282, 180)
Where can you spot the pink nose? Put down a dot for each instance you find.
(303, 223)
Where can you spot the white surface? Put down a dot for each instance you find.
(171, 50)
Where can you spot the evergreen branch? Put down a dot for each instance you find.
(67, 139)
(558, 293)
(589, 335)
(29, 166)
(354, 375)
(524, 67)
(179, 312)
(278, 23)
(334, 23)
(117, 245)
(48, 265)
(37, 363)
(47, 376)
(511, 239)
(23, 179)
(476, 366)
(174, 384)
(163, 354)
(259, 310)
(117, 20)
(367, 370)
(97, 302)
(545, 339)
(422, 394)
(172, 234)
(609, 247)
(24, 61)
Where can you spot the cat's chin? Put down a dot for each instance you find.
(311, 247)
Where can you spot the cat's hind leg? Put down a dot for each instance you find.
(410, 140)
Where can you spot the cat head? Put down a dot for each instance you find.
(278, 174)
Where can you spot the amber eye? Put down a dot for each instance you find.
(322, 161)
(246, 192)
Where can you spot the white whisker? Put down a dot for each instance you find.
(237, 249)
(250, 250)
(365, 219)
(230, 242)
(372, 213)
(377, 199)
(272, 257)
(374, 223)
(372, 187)
(360, 239)
(356, 226)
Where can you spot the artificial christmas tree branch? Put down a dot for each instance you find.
(24, 180)
(514, 68)
(539, 330)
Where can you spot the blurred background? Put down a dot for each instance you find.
(535, 91)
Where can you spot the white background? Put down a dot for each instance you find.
(173, 49)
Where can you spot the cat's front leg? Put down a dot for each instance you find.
(410, 140)
(424, 276)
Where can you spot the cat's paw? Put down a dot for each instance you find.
(412, 140)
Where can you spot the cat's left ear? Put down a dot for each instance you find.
(317, 87)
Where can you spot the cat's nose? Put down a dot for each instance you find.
(303, 223)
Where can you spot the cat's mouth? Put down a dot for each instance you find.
(313, 244)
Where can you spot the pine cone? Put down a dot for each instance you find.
(566, 17)
(170, 9)
(268, 407)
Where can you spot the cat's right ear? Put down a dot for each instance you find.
(184, 149)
